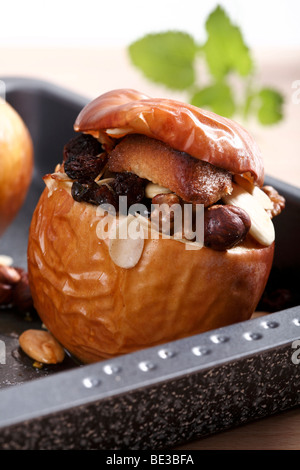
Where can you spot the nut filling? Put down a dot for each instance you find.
(225, 227)
(226, 224)
(41, 346)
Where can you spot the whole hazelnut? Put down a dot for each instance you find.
(225, 226)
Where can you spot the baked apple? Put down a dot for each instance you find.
(16, 163)
(101, 293)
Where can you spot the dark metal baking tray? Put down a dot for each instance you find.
(156, 398)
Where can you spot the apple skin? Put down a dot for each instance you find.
(16, 163)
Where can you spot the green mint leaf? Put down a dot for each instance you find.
(218, 98)
(225, 50)
(270, 106)
(166, 58)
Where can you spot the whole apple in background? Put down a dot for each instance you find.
(16, 163)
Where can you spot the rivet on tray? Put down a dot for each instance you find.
(200, 351)
(270, 324)
(90, 382)
(252, 336)
(166, 353)
(217, 339)
(296, 321)
(146, 366)
(111, 369)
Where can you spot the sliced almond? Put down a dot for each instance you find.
(50, 183)
(153, 190)
(256, 192)
(6, 260)
(56, 181)
(119, 131)
(59, 176)
(262, 228)
(41, 346)
(126, 246)
(105, 181)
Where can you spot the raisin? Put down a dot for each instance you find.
(93, 194)
(82, 144)
(124, 184)
(130, 185)
(101, 195)
(85, 168)
(83, 158)
(79, 192)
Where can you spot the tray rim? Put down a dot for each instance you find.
(95, 382)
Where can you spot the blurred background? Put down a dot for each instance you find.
(85, 47)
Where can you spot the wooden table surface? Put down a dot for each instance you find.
(92, 71)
